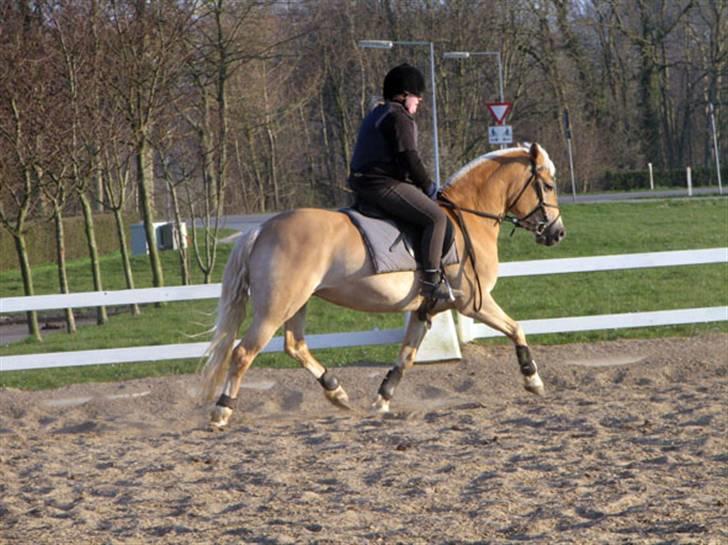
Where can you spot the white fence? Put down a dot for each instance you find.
(466, 329)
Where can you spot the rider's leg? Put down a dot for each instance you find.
(410, 204)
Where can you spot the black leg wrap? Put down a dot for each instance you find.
(528, 367)
(390, 382)
(328, 381)
(226, 401)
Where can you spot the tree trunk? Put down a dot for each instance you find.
(126, 263)
(146, 204)
(330, 169)
(243, 188)
(183, 260)
(88, 220)
(272, 148)
(272, 163)
(25, 271)
(61, 266)
(256, 173)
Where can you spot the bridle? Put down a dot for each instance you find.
(523, 222)
(538, 227)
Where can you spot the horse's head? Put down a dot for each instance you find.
(533, 202)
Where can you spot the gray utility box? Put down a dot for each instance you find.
(164, 236)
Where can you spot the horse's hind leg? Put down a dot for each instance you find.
(242, 358)
(416, 330)
(296, 347)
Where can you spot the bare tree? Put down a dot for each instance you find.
(23, 94)
(76, 72)
(116, 161)
(56, 192)
(145, 59)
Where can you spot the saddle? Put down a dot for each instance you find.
(394, 246)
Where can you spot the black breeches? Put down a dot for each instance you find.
(408, 203)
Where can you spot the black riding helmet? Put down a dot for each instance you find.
(401, 79)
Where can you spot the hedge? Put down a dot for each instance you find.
(41, 243)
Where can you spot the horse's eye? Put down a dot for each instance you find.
(548, 186)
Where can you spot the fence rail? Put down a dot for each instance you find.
(466, 329)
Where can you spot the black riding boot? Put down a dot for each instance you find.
(434, 287)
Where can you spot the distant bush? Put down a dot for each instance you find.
(640, 179)
(41, 241)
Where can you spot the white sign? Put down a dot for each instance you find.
(500, 134)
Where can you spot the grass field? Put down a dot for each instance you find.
(593, 229)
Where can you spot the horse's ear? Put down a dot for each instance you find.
(534, 152)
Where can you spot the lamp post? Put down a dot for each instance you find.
(468, 54)
(389, 44)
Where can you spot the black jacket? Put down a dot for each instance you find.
(386, 150)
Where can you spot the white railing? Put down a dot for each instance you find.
(466, 329)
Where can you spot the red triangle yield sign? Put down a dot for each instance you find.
(499, 110)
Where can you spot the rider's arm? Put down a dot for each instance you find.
(411, 162)
(402, 131)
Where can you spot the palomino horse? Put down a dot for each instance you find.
(306, 252)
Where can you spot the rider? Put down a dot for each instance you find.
(387, 172)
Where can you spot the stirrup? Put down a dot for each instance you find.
(432, 294)
(437, 292)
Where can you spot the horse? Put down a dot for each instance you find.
(305, 252)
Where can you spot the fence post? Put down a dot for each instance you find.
(690, 182)
(715, 148)
(441, 341)
(652, 179)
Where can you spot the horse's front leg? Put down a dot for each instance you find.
(492, 315)
(416, 330)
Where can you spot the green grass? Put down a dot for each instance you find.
(592, 229)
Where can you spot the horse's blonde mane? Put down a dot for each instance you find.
(492, 155)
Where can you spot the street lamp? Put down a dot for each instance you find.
(468, 54)
(389, 44)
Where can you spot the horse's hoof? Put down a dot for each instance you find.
(338, 397)
(381, 405)
(534, 384)
(219, 417)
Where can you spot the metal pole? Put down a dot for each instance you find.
(500, 76)
(567, 130)
(435, 140)
(468, 54)
(690, 181)
(715, 147)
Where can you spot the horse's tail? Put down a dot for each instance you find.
(230, 314)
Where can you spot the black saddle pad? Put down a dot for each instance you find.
(394, 247)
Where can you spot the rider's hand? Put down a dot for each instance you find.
(431, 191)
